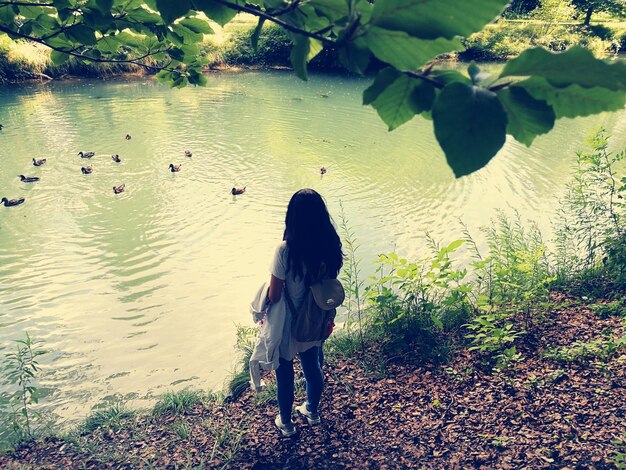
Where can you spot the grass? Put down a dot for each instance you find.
(178, 403)
(111, 417)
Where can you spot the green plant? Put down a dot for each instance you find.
(592, 215)
(619, 453)
(20, 372)
(409, 300)
(110, 417)
(616, 308)
(516, 273)
(245, 343)
(351, 277)
(227, 440)
(491, 334)
(601, 348)
(182, 429)
(180, 402)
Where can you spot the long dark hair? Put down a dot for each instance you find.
(311, 237)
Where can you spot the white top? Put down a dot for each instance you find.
(289, 347)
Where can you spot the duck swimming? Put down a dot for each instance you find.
(39, 162)
(116, 158)
(236, 191)
(128, 137)
(188, 153)
(174, 168)
(28, 179)
(1, 127)
(323, 170)
(86, 154)
(12, 202)
(119, 189)
(87, 170)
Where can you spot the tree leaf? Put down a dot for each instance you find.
(299, 54)
(431, 19)
(405, 52)
(104, 5)
(574, 100)
(216, 11)
(82, 34)
(395, 104)
(331, 9)
(355, 56)
(383, 79)
(254, 39)
(197, 25)
(171, 10)
(470, 125)
(59, 58)
(527, 117)
(577, 65)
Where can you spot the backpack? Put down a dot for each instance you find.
(315, 318)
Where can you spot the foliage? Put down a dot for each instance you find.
(413, 301)
(619, 454)
(553, 11)
(111, 417)
(245, 343)
(593, 215)
(491, 334)
(587, 7)
(273, 47)
(581, 351)
(506, 40)
(471, 113)
(516, 271)
(181, 402)
(20, 373)
(351, 277)
(616, 308)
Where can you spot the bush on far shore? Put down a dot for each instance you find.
(507, 39)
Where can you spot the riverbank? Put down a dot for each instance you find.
(563, 406)
(230, 47)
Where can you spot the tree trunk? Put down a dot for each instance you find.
(588, 16)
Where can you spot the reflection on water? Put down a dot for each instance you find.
(139, 293)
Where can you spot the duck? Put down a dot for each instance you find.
(28, 179)
(1, 127)
(188, 153)
(174, 168)
(323, 170)
(39, 162)
(116, 158)
(119, 189)
(128, 137)
(86, 154)
(12, 202)
(236, 191)
(87, 170)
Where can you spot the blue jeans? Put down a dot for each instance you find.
(311, 367)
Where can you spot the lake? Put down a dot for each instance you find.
(138, 293)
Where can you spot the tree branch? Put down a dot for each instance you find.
(25, 4)
(426, 78)
(135, 61)
(253, 10)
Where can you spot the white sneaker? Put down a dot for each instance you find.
(312, 418)
(288, 430)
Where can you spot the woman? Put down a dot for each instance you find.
(310, 244)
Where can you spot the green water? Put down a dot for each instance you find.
(138, 293)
